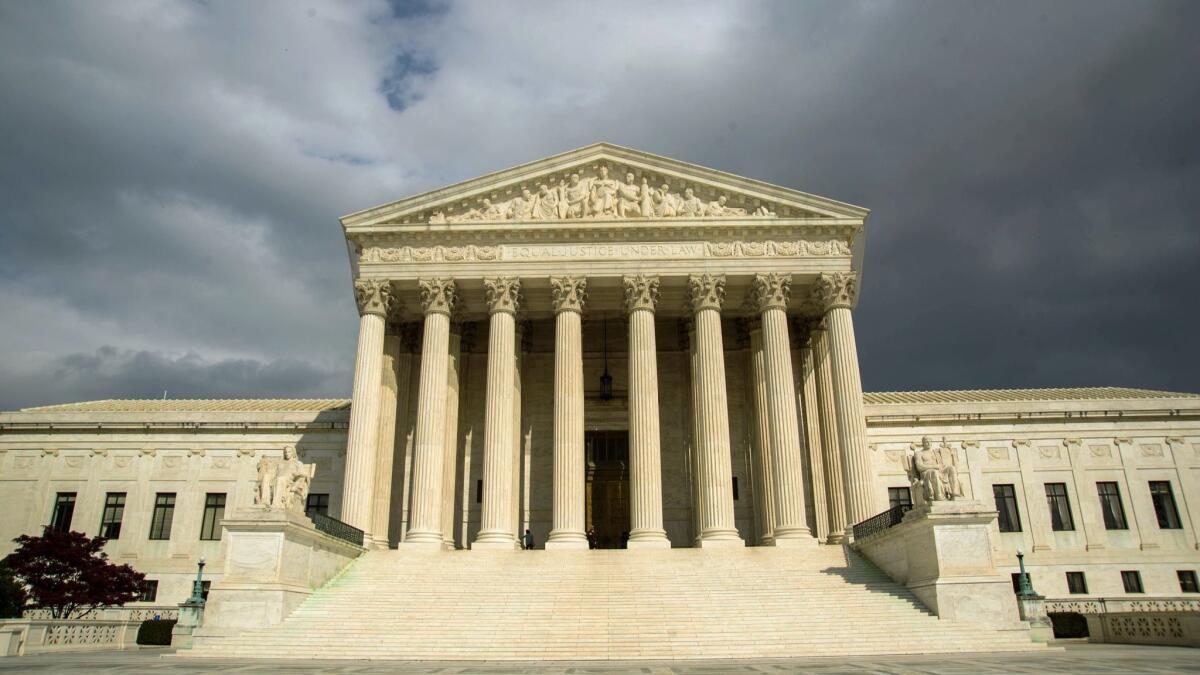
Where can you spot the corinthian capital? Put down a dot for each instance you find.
(374, 296)
(503, 294)
(830, 291)
(569, 293)
(770, 291)
(706, 291)
(438, 295)
(641, 292)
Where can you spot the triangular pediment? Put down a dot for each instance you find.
(603, 182)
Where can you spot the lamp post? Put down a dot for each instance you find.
(1024, 587)
(198, 585)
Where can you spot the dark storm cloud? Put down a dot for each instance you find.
(171, 173)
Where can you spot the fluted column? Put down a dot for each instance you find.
(717, 527)
(811, 430)
(438, 296)
(764, 498)
(836, 293)
(835, 493)
(450, 459)
(497, 527)
(375, 301)
(770, 293)
(645, 463)
(568, 509)
(386, 440)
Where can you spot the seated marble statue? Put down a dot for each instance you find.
(933, 473)
(283, 483)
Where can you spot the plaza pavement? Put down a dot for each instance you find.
(1073, 658)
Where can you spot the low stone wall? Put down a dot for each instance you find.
(38, 636)
(1137, 621)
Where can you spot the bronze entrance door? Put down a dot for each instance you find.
(607, 496)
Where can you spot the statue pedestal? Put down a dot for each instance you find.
(191, 617)
(1032, 609)
(274, 559)
(942, 552)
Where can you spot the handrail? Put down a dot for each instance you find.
(880, 522)
(335, 528)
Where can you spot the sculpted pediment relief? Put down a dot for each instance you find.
(603, 182)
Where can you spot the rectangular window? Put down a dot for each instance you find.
(149, 591)
(214, 511)
(1111, 507)
(114, 511)
(1132, 581)
(164, 513)
(1006, 506)
(318, 503)
(1076, 582)
(1060, 507)
(64, 510)
(1164, 504)
(1187, 581)
(899, 496)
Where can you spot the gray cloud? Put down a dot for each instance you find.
(171, 173)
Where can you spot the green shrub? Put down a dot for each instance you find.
(155, 632)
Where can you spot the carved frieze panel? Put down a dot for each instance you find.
(656, 250)
(604, 191)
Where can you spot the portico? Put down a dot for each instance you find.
(725, 305)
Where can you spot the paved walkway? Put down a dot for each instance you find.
(1075, 658)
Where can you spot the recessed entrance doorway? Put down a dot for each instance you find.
(608, 487)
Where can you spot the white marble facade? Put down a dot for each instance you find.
(489, 312)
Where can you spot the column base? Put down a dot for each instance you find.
(836, 538)
(799, 541)
(566, 541)
(427, 540)
(422, 545)
(648, 539)
(495, 546)
(722, 542)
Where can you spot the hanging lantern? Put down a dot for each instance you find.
(606, 390)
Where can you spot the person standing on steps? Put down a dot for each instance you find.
(527, 541)
(591, 537)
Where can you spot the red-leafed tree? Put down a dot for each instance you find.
(69, 574)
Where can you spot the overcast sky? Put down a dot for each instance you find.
(171, 174)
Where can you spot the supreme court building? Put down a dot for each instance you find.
(577, 342)
(610, 349)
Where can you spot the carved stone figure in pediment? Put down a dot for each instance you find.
(604, 194)
(574, 197)
(718, 208)
(283, 483)
(933, 473)
(690, 206)
(665, 205)
(521, 208)
(628, 198)
(546, 204)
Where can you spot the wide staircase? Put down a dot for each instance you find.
(573, 605)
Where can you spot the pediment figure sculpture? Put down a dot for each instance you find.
(603, 182)
(933, 473)
(283, 482)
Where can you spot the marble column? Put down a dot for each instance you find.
(497, 526)
(717, 526)
(568, 514)
(438, 296)
(450, 458)
(811, 429)
(836, 293)
(386, 444)
(760, 460)
(835, 494)
(770, 293)
(645, 462)
(375, 302)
